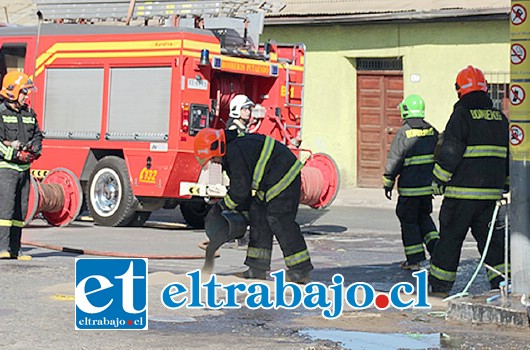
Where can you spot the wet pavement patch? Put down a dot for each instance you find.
(376, 341)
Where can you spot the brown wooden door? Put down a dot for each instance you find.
(378, 96)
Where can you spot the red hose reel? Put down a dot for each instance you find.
(320, 181)
(58, 197)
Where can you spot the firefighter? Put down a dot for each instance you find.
(198, 22)
(411, 158)
(240, 111)
(20, 144)
(265, 175)
(471, 171)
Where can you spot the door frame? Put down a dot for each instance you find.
(382, 145)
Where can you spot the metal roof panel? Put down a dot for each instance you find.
(342, 7)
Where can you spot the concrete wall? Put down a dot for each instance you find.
(432, 52)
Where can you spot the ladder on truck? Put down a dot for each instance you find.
(292, 84)
(120, 10)
(246, 17)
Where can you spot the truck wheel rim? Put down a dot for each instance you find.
(105, 192)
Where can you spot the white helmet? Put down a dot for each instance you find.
(238, 102)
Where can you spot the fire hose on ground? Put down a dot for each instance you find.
(58, 197)
(112, 254)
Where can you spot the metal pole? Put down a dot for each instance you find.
(520, 145)
(520, 226)
(6, 13)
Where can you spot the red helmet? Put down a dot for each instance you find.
(209, 143)
(13, 83)
(470, 79)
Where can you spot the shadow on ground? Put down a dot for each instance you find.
(383, 276)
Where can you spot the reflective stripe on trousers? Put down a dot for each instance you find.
(441, 274)
(296, 258)
(430, 236)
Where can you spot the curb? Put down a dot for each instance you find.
(476, 309)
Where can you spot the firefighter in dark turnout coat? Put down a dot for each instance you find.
(20, 144)
(471, 171)
(265, 176)
(411, 158)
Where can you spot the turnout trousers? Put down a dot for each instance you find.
(14, 193)
(417, 227)
(456, 217)
(276, 218)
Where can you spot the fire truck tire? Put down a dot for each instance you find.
(194, 213)
(110, 197)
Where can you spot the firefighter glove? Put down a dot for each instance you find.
(437, 189)
(25, 157)
(388, 193)
(34, 148)
(506, 187)
(18, 145)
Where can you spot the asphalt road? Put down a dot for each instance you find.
(363, 244)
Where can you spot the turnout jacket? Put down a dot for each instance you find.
(17, 125)
(257, 165)
(411, 157)
(473, 160)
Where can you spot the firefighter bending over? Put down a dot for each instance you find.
(20, 144)
(411, 158)
(471, 170)
(240, 111)
(265, 176)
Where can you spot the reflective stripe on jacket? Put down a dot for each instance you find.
(257, 165)
(17, 125)
(411, 157)
(473, 160)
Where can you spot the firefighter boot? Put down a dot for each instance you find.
(405, 265)
(4, 254)
(437, 293)
(252, 273)
(297, 276)
(21, 256)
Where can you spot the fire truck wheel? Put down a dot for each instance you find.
(194, 213)
(110, 197)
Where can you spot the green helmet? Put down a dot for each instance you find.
(412, 107)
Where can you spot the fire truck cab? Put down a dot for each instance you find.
(119, 107)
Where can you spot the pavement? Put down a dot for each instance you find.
(350, 196)
(350, 239)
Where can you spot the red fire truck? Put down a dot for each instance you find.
(120, 105)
